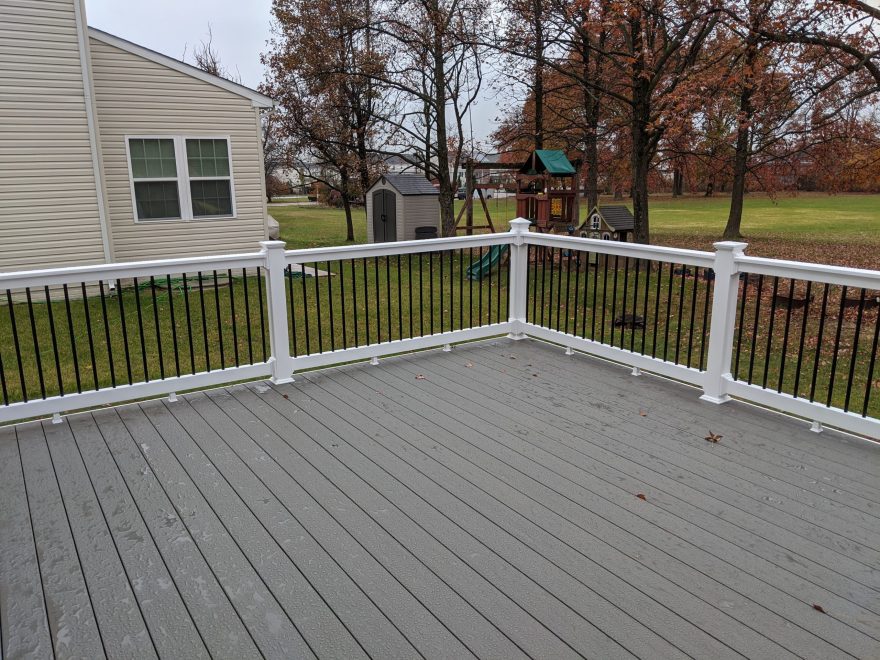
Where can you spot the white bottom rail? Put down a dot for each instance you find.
(123, 393)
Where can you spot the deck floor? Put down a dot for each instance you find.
(502, 500)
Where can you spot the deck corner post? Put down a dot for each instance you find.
(279, 341)
(519, 267)
(721, 327)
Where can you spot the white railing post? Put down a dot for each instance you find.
(279, 340)
(519, 268)
(723, 321)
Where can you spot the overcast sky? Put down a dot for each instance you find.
(241, 29)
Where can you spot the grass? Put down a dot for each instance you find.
(838, 229)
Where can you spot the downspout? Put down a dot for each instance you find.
(85, 59)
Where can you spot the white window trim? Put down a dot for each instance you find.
(183, 178)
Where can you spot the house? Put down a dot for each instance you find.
(401, 207)
(611, 223)
(114, 152)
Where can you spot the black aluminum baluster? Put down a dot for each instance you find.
(585, 296)
(657, 308)
(797, 371)
(705, 326)
(330, 306)
(431, 285)
(233, 317)
(156, 323)
(489, 292)
(595, 298)
(3, 387)
(71, 332)
(440, 254)
(54, 340)
(632, 334)
(543, 281)
(755, 327)
(577, 292)
(819, 338)
(471, 290)
(189, 333)
(693, 314)
(342, 303)
(108, 343)
(354, 307)
(247, 314)
(623, 302)
(604, 297)
(263, 313)
(498, 316)
(684, 270)
(614, 298)
(840, 315)
(869, 386)
(204, 319)
(550, 297)
(648, 268)
(366, 299)
(388, 295)
(291, 310)
(770, 332)
(89, 333)
(123, 326)
(219, 322)
(399, 302)
(37, 353)
(668, 311)
(855, 351)
(173, 322)
(567, 290)
(305, 306)
(742, 323)
(318, 324)
(785, 335)
(16, 343)
(409, 283)
(421, 296)
(378, 303)
(460, 289)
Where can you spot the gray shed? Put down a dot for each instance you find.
(399, 203)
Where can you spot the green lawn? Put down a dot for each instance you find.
(839, 229)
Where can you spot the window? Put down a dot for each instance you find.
(181, 178)
(154, 171)
(210, 184)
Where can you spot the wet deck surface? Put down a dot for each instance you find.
(502, 500)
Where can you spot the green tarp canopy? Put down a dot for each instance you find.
(554, 160)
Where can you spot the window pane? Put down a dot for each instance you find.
(211, 198)
(207, 158)
(157, 200)
(152, 159)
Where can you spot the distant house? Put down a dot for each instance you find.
(113, 152)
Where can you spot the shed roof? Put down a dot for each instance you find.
(618, 217)
(553, 161)
(409, 184)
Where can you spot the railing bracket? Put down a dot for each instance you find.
(374, 361)
(56, 418)
(172, 397)
(447, 348)
(568, 350)
(636, 371)
(816, 427)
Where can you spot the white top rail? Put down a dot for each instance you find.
(110, 272)
(401, 247)
(801, 270)
(634, 250)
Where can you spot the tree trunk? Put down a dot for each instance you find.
(539, 74)
(677, 182)
(346, 205)
(640, 157)
(447, 193)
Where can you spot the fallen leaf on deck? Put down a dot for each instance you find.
(470, 365)
(535, 375)
(819, 608)
(713, 437)
(512, 357)
(641, 496)
(643, 413)
(421, 377)
(285, 396)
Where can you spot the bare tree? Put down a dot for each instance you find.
(207, 59)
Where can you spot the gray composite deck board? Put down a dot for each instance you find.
(481, 503)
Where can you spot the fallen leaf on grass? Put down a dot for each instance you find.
(641, 496)
(713, 437)
(819, 608)
(421, 377)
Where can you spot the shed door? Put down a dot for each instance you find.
(384, 216)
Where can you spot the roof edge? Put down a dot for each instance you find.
(258, 100)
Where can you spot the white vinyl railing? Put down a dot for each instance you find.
(797, 337)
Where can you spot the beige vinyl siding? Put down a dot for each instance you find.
(48, 198)
(135, 96)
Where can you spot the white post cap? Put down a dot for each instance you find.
(520, 225)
